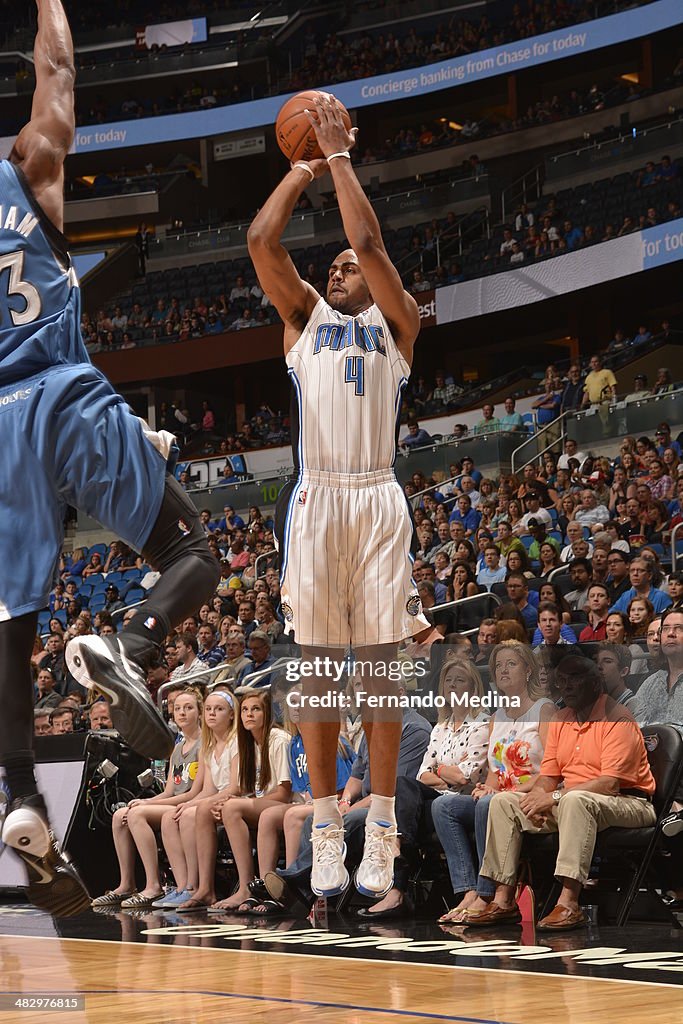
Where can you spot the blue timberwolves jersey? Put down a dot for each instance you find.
(39, 293)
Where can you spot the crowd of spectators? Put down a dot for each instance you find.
(422, 137)
(574, 548)
(329, 57)
(216, 298)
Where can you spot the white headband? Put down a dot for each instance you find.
(225, 695)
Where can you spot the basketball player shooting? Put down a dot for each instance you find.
(68, 438)
(344, 527)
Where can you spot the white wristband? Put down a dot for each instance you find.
(344, 155)
(304, 167)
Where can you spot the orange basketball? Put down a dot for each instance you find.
(294, 133)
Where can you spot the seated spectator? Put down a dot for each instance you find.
(41, 722)
(640, 576)
(493, 571)
(548, 557)
(590, 513)
(488, 424)
(640, 614)
(419, 283)
(640, 388)
(464, 513)
(534, 515)
(550, 627)
(614, 662)
(518, 561)
(62, 720)
(612, 758)
(443, 394)
(571, 451)
(517, 590)
(186, 646)
(100, 716)
(192, 853)
(516, 738)
(416, 436)
(259, 648)
(597, 607)
(95, 565)
(455, 760)
(46, 696)
(208, 651)
(134, 826)
(511, 421)
(663, 382)
(659, 698)
(574, 537)
(580, 574)
(263, 781)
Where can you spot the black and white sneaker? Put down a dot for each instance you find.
(54, 884)
(117, 666)
(672, 824)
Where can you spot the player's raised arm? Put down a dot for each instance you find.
(41, 147)
(293, 298)
(362, 227)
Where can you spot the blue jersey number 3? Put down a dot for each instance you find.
(354, 373)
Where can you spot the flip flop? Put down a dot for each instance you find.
(236, 908)
(270, 908)
(192, 907)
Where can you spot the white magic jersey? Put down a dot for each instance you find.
(348, 376)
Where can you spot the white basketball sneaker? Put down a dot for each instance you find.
(53, 881)
(118, 665)
(329, 876)
(375, 874)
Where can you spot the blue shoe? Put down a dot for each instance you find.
(175, 898)
(161, 902)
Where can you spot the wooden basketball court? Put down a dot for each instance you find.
(148, 969)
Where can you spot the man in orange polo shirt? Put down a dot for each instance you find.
(595, 774)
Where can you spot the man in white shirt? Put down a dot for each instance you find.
(534, 513)
(186, 649)
(590, 513)
(571, 451)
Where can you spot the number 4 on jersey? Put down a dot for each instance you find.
(355, 373)
(14, 262)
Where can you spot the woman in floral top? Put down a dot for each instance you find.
(515, 750)
(455, 761)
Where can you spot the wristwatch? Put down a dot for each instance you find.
(557, 795)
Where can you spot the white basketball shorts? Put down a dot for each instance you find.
(346, 563)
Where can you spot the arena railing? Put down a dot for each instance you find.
(555, 431)
(309, 224)
(170, 684)
(261, 558)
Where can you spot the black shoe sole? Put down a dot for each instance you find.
(132, 713)
(284, 892)
(65, 894)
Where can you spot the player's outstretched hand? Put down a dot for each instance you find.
(331, 132)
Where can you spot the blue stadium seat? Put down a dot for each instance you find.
(97, 602)
(100, 548)
(132, 574)
(61, 615)
(527, 541)
(95, 579)
(44, 620)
